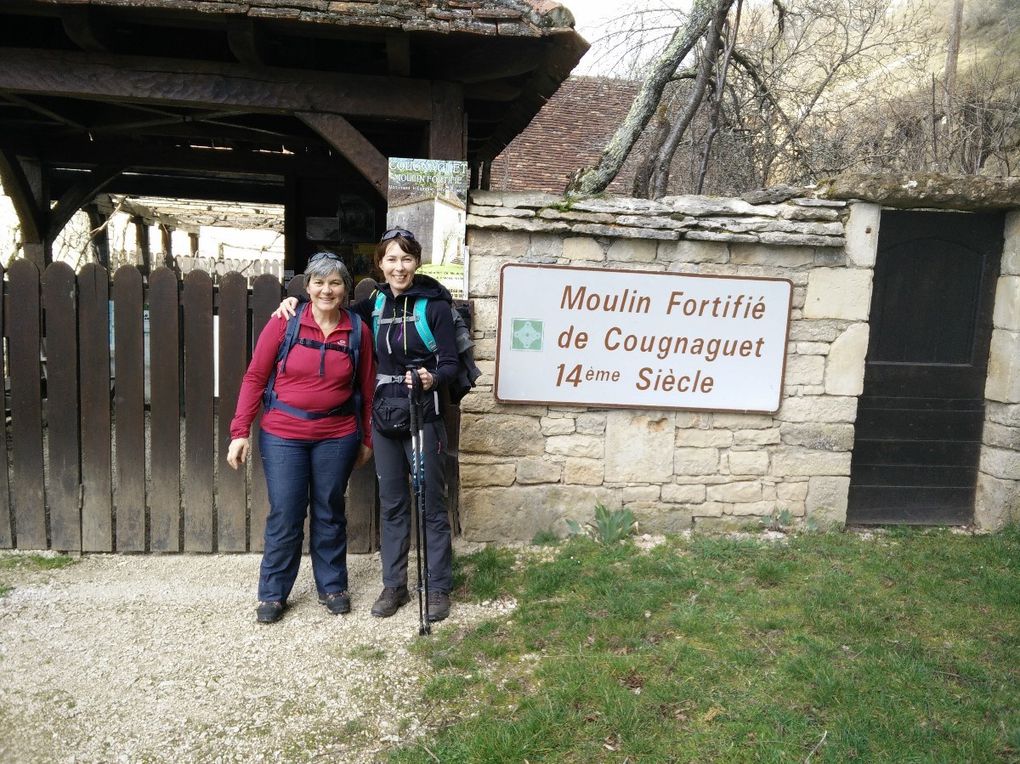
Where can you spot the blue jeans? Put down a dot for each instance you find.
(302, 474)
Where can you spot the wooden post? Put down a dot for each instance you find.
(446, 129)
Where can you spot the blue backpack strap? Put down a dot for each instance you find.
(380, 301)
(290, 335)
(421, 324)
(354, 346)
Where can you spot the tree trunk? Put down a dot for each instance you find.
(949, 79)
(660, 176)
(594, 180)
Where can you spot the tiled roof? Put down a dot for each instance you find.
(567, 134)
(510, 18)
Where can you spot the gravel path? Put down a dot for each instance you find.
(159, 658)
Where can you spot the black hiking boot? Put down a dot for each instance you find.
(439, 606)
(337, 603)
(390, 600)
(269, 612)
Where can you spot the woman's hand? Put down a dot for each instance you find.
(428, 379)
(237, 452)
(287, 308)
(364, 454)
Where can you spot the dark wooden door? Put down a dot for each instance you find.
(919, 421)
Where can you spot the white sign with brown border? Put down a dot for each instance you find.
(641, 339)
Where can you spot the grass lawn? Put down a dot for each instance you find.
(901, 647)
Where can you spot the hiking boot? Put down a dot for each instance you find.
(439, 606)
(392, 597)
(269, 612)
(337, 603)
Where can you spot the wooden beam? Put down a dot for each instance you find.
(446, 130)
(209, 85)
(352, 145)
(245, 41)
(398, 53)
(492, 62)
(27, 205)
(79, 194)
(81, 26)
(55, 116)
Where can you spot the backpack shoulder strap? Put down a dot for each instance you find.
(290, 336)
(421, 324)
(377, 309)
(354, 347)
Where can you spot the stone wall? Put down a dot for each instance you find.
(526, 469)
(998, 485)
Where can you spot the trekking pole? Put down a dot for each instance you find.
(418, 489)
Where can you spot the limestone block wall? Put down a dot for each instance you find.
(527, 468)
(998, 488)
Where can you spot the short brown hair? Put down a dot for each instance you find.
(408, 245)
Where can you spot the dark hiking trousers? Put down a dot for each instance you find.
(393, 468)
(303, 474)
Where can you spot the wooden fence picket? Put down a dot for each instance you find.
(96, 435)
(6, 527)
(60, 298)
(28, 494)
(231, 498)
(198, 413)
(266, 294)
(165, 411)
(129, 408)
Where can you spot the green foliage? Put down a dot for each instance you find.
(779, 520)
(828, 647)
(610, 526)
(545, 538)
(483, 575)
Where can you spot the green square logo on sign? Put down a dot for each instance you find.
(526, 334)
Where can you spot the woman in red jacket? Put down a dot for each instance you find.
(313, 433)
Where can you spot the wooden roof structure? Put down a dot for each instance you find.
(246, 99)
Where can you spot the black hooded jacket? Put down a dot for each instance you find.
(398, 346)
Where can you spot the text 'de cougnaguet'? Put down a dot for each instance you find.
(626, 338)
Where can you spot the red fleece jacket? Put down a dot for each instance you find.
(301, 386)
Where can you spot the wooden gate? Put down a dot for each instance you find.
(919, 421)
(115, 433)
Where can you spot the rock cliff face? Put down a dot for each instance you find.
(970, 193)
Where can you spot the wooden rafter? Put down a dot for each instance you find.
(79, 194)
(81, 26)
(352, 145)
(208, 85)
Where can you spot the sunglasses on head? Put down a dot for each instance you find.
(325, 256)
(395, 232)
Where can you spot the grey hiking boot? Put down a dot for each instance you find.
(439, 606)
(390, 600)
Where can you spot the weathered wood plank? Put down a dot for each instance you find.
(266, 293)
(129, 409)
(446, 128)
(96, 435)
(210, 85)
(231, 498)
(198, 411)
(352, 145)
(165, 411)
(62, 409)
(362, 510)
(6, 527)
(28, 495)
